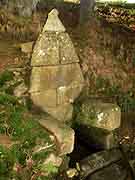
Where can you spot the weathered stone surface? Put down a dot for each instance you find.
(56, 77)
(68, 94)
(53, 49)
(67, 50)
(53, 77)
(106, 116)
(116, 171)
(46, 50)
(52, 86)
(64, 135)
(53, 23)
(97, 123)
(26, 47)
(62, 113)
(45, 99)
(98, 161)
(71, 173)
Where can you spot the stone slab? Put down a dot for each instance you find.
(98, 161)
(115, 171)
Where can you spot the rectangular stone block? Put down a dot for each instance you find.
(44, 99)
(53, 77)
(62, 113)
(106, 116)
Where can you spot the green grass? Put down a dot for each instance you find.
(23, 129)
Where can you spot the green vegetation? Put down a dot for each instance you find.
(125, 99)
(30, 143)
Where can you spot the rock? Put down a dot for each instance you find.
(53, 23)
(72, 172)
(48, 53)
(20, 90)
(97, 122)
(98, 161)
(55, 160)
(56, 77)
(106, 116)
(26, 47)
(117, 171)
(68, 54)
(64, 135)
(46, 50)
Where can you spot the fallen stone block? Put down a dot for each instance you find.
(63, 134)
(106, 116)
(117, 171)
(98, 161)
(97, 123)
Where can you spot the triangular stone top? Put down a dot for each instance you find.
(54, 48)
(53, 22)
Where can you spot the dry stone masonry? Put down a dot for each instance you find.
(56, 78)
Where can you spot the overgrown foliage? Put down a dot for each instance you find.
(115, 14)
(28, 143)
(104, 89)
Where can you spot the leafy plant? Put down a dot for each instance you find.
(17, 123)
(5, 76)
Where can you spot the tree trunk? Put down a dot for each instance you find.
(86, 10)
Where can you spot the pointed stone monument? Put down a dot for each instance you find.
(56, 77)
